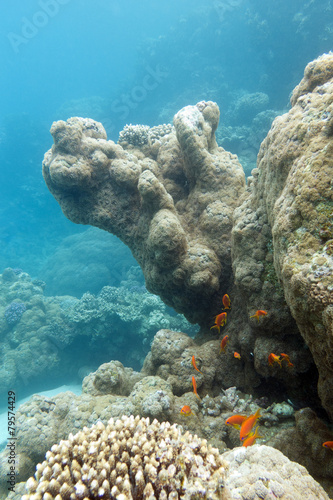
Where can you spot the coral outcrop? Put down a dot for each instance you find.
(175, 212)
(131, 459)
(170, 358)
(303, 443)
(283, 233)
(263, 472)
(180, 204)
(114, 391)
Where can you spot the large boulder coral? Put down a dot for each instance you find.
(263, 472)
(303, 443)
(174, 213)
(283, 233)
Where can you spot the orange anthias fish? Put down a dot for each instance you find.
(186, 410)
(248, 425)
(236, 420)
(273, 358)
(195, 387)
(251, 439)
(259, 313)
(328, 444)
(223, 344)
(195, 365)
(226, 301)
(237, 355)
(285, 357)
(220, 320)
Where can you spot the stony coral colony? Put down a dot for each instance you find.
(129, 459)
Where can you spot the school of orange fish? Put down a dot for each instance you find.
(247, 425)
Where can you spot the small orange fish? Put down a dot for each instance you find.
(251, 439)
(220, 320)
(273, 358)
(223, 344)
(237, 355)
(195, 365)
(186, 410)
(259, 313)
(248, 425)
(195, 387)
(285, 357)
(236, 420)
(226, 301)
(328, 444)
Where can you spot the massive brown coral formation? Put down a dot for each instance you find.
(174, 213)
(296, 183)
(283, 234)
(130, 459)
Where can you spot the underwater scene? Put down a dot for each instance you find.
(166, 264)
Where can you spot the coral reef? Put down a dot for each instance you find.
(39, 334)
(282, 233)
(170, 358)
(174, 213)
(182, 207)
(263, 472)
(142, 135)
(303, 443)
(113, 391)
(177, 207)
(130, 458)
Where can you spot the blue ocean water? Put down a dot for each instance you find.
(129, 62)
(133, 62)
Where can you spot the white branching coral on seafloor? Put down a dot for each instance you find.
(130, 458)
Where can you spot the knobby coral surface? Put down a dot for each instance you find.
(174, 211)
(130, 459)
(180, 204)
(295, 186)
(282, 241)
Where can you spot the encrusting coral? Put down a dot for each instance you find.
(283, 232)
(174, 213)
(130, 459)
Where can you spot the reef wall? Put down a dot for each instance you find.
(283, 231)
